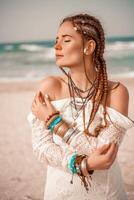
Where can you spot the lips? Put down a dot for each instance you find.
(58, 55)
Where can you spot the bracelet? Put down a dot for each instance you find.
(57, 126)
(62, 130)
(51, 120)
(68, 134)
(71, 163)
(84, 167)
(82, 171)
(77, 164)
(76, 131)
(57, 120)
(48, 118)
(90, 171)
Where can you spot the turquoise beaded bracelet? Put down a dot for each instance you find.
(71, 164)
(54, 122)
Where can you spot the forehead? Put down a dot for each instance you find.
(67, 29)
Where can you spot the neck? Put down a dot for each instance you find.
(79, 77)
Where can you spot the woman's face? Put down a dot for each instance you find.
(68, 46)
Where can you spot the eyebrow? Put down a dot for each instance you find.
(64, 36)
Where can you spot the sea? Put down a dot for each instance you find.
(33, 60)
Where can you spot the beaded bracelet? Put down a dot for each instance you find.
(51, 120)
(56, 121)
(82, 170)
(57, 112)
(57, 126)
(71, 163)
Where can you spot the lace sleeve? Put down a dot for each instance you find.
(44, 148)
(57, 155)
(114, 132)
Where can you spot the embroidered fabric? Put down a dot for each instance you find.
(50, 149)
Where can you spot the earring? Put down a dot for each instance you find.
(85, 51)
(96, 69)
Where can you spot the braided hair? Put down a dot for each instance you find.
(90, 28)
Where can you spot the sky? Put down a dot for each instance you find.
(24, 20)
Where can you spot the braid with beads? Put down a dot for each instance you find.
(90, 28)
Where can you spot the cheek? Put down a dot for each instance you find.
(74, 54)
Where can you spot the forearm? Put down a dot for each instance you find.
(84, 144)
(45, 149)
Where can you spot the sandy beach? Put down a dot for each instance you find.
(22, 177)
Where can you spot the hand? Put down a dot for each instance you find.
(103, 157)
(42, 107)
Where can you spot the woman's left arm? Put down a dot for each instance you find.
(114, 132)
(118, 123)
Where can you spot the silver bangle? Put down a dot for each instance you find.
(68, 134)
(76, 131)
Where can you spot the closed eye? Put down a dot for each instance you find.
(67, 41)
(64, 41)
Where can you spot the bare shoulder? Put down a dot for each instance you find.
(118, 97)
(50, 85)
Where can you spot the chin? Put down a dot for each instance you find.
(61, 64)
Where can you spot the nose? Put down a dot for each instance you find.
(57, 46)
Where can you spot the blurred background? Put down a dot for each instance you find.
(28, 30)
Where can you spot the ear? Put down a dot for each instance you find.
(91, 44)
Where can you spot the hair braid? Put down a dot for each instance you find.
(90, 28)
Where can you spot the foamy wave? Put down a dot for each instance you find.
(42, 53)
(119, 49)
(31, 47)
(118, 46)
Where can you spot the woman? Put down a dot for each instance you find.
(78, 120)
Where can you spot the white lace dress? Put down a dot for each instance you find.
(50, 149)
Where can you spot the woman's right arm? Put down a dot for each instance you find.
(55, 155)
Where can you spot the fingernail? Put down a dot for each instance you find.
(46, 95)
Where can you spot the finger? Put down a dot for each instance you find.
(42, 97)
(38, 98)
(103, 149)
(34, 102)
(47, 100)
(35, 98)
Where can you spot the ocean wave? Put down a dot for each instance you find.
(119, 49)
(116, 49)
(118, 46)
(32, 60)
(8, 47)
(31, 47)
